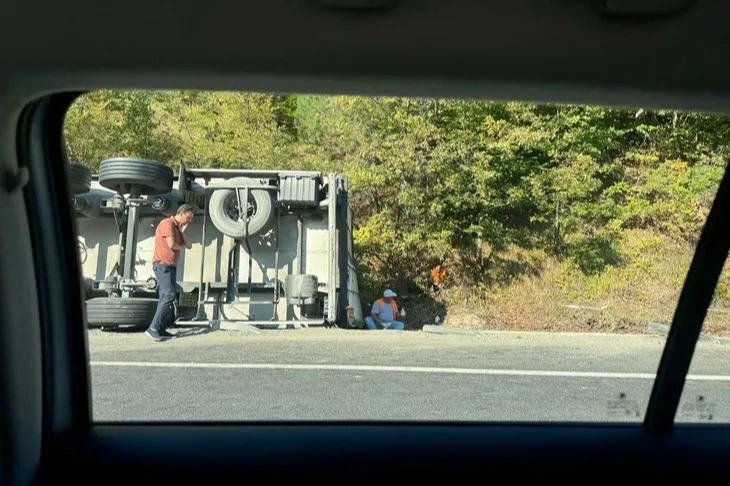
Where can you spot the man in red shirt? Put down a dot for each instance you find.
(170, 239)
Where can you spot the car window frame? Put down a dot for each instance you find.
(68, 424)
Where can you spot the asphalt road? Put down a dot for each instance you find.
(320, 374)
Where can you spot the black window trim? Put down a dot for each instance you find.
(694, 300)
(66, 376)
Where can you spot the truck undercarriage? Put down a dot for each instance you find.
(270, 248)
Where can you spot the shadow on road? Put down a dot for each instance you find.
(181, 333)
(122, 329)
(196, 331)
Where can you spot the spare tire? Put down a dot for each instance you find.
(120, 311)
(79, 178)
(223, 208)
(120, 174)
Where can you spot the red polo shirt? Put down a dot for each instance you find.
(163, 253)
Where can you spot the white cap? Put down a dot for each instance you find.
(389, 293)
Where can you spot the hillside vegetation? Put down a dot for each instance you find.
(533, 207)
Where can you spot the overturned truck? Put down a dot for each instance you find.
(270, 248)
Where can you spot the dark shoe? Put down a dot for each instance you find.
(166, 334)
(154, 335)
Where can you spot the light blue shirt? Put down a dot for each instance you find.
(385, 314)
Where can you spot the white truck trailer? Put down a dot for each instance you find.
(270, 248)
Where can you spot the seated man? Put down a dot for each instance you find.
(384, 312)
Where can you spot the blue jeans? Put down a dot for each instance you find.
(166, 282)
(395, 325)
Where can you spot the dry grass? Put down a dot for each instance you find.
(643, 289)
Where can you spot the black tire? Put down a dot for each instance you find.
(90, 292)
(121, 174)
(79, 178)
(118, 311)
(223, 206)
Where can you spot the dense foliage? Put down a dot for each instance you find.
(466, 181)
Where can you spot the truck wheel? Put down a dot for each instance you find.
(119, 311)
(120, 174)
(79, 178)
(223, 209)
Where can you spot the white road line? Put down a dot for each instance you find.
(404, 369)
